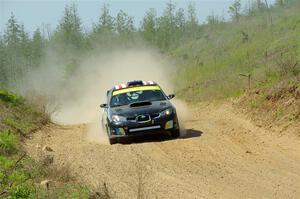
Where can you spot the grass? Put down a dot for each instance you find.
(17, 170)
(22, 126)
(279, 113)
(19, 174)
(10, 98)
(258, 102)
(16, 175)
(8, 142)
(210, 67)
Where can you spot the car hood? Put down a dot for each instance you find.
(154, 107)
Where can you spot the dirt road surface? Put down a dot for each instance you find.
(220, 155)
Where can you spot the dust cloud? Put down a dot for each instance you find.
(86, 90)
(77, 99)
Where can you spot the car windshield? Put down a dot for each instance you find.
(136, 96)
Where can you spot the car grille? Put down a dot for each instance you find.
(143, 118)
(131, 118)
(154, 115)
(146, 118)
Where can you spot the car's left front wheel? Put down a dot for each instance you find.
(175, 133)
(113, 141)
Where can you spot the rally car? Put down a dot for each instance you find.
(138, 108)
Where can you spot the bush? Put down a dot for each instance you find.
(10, 97)
(22, 126)
(21, 191)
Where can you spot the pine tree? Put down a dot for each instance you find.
(235, 9)
(69, 31)
(25, 47)
(192, 15)
(192, 21)
(166, 27)
(14, 56)
(180, 19)
(148, 26)
(37, 47)
(3, 70)
(104, 31)
(106, 21)
(12, 33)
(124, 28)
(68, 41)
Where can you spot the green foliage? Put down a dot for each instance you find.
(166, 30)
(279, 113)
(20, 54)
(71, 68)
(211, 66)
(192, 19)
(172, 28)
(37, 46)
(21, 191)
(13, 31)
(69, 31)
(124, 23)
(22, 126)
(258, 102)
(20, 117)
(235, 9)
(70, 191)
(104, 31)
(211, 55)
(106, 21)
(16, 172)
(8, 142)
(148, 27)
(10, 97)
(15, 57)
(19, 174)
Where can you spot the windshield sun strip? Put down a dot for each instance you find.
(138, 88)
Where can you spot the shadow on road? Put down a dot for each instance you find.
(190, 133)
(185, 134)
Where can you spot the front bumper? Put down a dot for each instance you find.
(155, 126)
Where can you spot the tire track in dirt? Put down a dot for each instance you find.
(221, 155)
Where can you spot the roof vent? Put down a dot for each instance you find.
(135, 83)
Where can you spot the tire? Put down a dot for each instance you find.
(112, 141)
(175, 133)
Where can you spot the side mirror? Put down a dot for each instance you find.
(171, 96)
(103, 106)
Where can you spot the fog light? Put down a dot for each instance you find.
(120, 131)
(169, 124)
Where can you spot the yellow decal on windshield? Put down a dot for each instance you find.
(138, 88)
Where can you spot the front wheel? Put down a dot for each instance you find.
(112, 141)
(175, 133)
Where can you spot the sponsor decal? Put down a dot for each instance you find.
(137, 88)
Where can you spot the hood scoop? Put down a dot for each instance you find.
(139, 104)
(163, 103)
(118, 110)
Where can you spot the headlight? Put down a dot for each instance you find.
(166, 112)
(118, 118)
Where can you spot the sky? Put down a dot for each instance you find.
(47, 13)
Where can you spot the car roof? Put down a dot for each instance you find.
(134, 83)
(130, 84)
